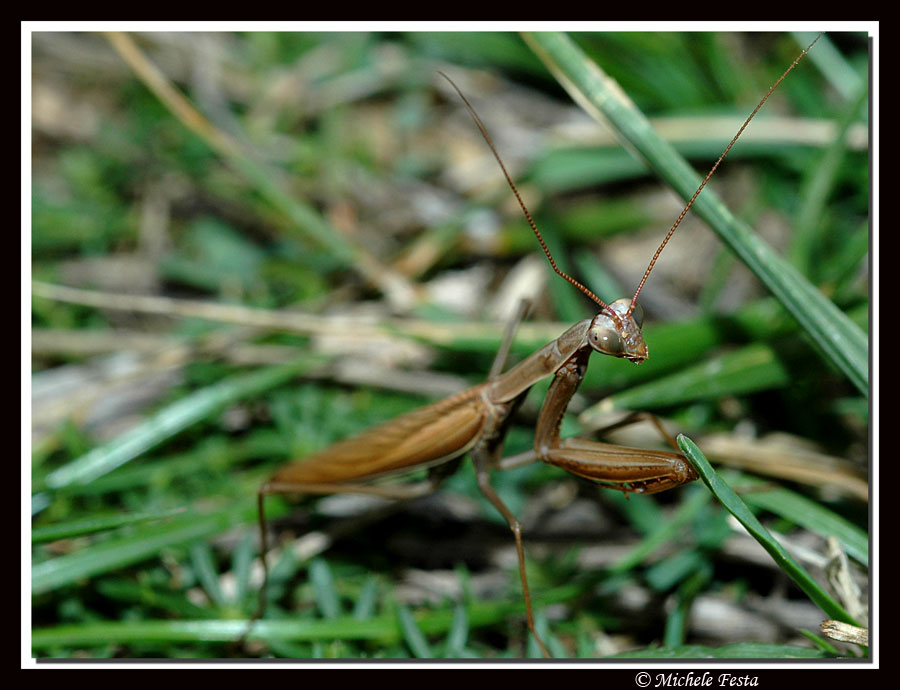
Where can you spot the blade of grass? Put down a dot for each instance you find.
(241, 562)
(744, 515)
(821, 643)
(205, 569)
(663, 535)
(809, 229)
(455, 644)
(413, 636)
(740, 650)
(676, 621)
(384, 628)
(809, 514)
(748, 370)
(325, 594)
(365, 602)
(141, 594)
(173, 419)
(78, 528)
(144, 542)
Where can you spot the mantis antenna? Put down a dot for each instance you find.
(710, 174)
(675, 225)
(512, 185)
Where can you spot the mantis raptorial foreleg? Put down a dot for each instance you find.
(616, 467)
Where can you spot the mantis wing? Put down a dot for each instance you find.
(424, 437)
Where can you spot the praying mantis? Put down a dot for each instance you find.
(474, 422)
(655, 348)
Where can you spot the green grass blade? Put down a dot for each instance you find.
(455, 644)
(325, 594)
(748, 370)
(838, 338)
(663, 535)
(142, 543)
(740, 650)
(814, 517)
(821, 643)
(78, 528)
(413, 635)
(744, 515)
(173, 419)
(205, 569)
(809, 229)
(242, 561)
(751, 369)
(365, 602)
(133, 593)
(385, 628)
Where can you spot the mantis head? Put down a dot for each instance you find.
(616, 331)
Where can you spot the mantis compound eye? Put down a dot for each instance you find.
(605, 339)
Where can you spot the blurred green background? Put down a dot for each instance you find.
(336, 175)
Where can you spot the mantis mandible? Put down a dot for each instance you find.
(475, 421)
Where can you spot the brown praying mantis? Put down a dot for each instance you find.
(475, 421)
